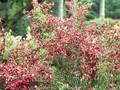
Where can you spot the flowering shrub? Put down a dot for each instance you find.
(83, 47)
(23, 69)
(70, 39)
(62, 53)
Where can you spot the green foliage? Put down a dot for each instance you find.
(11, 42)
(11, 12)
(112, 9)
(38, 15)
(21, 26)
(94, 11)
(85, 1)
(12, 8)
(59, 78)
(55, 8)
(102, 81)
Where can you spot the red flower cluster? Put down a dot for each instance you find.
(24, 68)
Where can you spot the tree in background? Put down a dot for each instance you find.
(102, 9)
(112, 9)
(61, 9)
